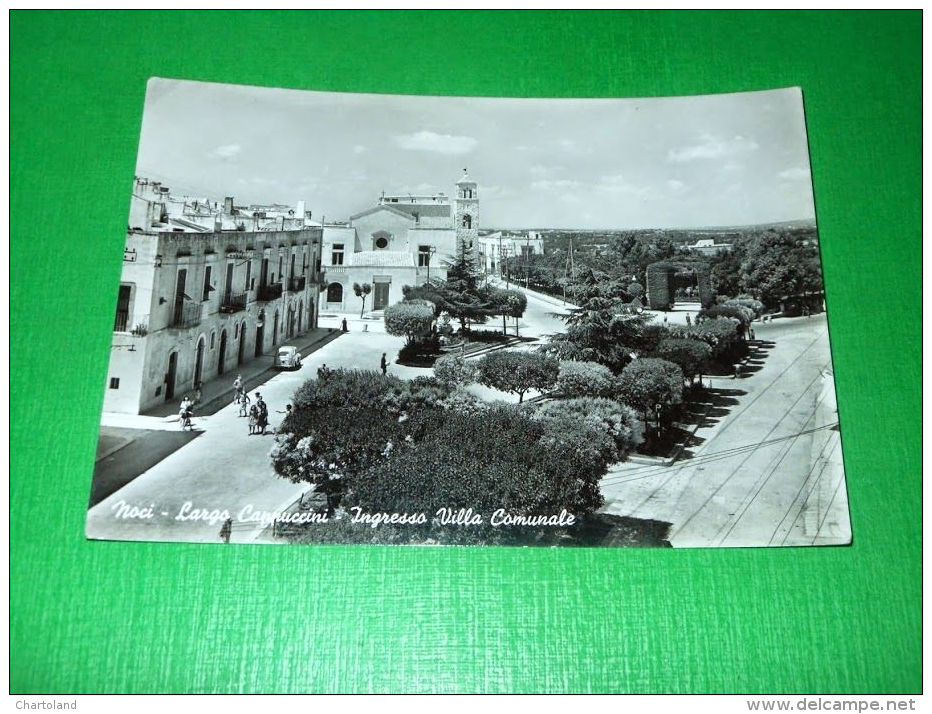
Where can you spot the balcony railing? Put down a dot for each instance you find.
(267, 293)
(187, 314)
(296, 283)
(234, 302)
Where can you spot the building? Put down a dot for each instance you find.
(495, 247)
(708, 246)
(402, 240)
(205, 288)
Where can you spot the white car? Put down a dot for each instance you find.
(288, 357)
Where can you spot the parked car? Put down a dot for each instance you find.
(288, 357)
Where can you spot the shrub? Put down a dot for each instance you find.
(411, 319)
(719, 333)
(746, 301)
(518, 372)
(635, 290)
(742, 314)
(604, 415)
(485, 462)
(453, 369)
(647, 382)
(585, 379)
(691, 356)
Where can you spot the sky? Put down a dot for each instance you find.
(687, 162)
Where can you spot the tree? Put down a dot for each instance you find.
(454, 370)
(362, 291)
(647, 382)
(585, 379)
(605, 415)
(461, 295)
(691, 356)
(411, 319)
(600, 329)
(499, 459)
(779, 264)
(518, 372)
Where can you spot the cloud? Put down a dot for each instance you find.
(227, 151)
(794, 174)
(618, 184)
(712, 147)
(675, 185)
(359, 149)
(555, 185)
(439, 143)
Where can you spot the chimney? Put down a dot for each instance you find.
(228, 205)
(299, 211)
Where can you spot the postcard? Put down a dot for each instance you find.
(378, 319)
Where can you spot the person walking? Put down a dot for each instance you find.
(197, 394)
(384, 364)
(184, 412)
(253, 419)
(226, 530)
(263, 408)
(689, 320)
(244, 401)
(345, 326)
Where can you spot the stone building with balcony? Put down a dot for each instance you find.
(193, 305)
(403, 240)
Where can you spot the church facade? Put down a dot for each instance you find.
(402, 240)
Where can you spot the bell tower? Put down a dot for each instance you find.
(466, 214)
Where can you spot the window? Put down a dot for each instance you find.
(423, 256)
(467, 221)
(207, 288)
(114, 383)
(212, 335)
(334, 292)
(122, 312)
(248, 275)
(381, 242)
(337, 255)
(526, 251)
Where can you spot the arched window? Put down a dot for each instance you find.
(334, 292)
(467, 221)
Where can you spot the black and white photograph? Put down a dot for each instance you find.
(411, 320)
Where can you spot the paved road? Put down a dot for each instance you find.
(769, 472)
(225, 468)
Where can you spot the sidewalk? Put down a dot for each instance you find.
(218, 392)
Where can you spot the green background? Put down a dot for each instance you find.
(106, 617)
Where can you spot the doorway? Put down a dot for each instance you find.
(241, 353)
(198, 362)
(223, 352)
(260, 333)
(380, 299)
(170, 376)
(275, 329)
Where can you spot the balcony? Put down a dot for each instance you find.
(296, 283)
(187, 314)
(233, 302)
(268, 293)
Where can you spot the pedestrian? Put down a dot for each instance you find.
(184, 412)
(226, 530)
(244, 401)
(322, 371)
(689, 320)
(253, 419)
(752, 333)
(664, 318)
(384, 364)
(263, 417)
(197, 394)
(737, 371)
(238, 388)
(345, 326)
